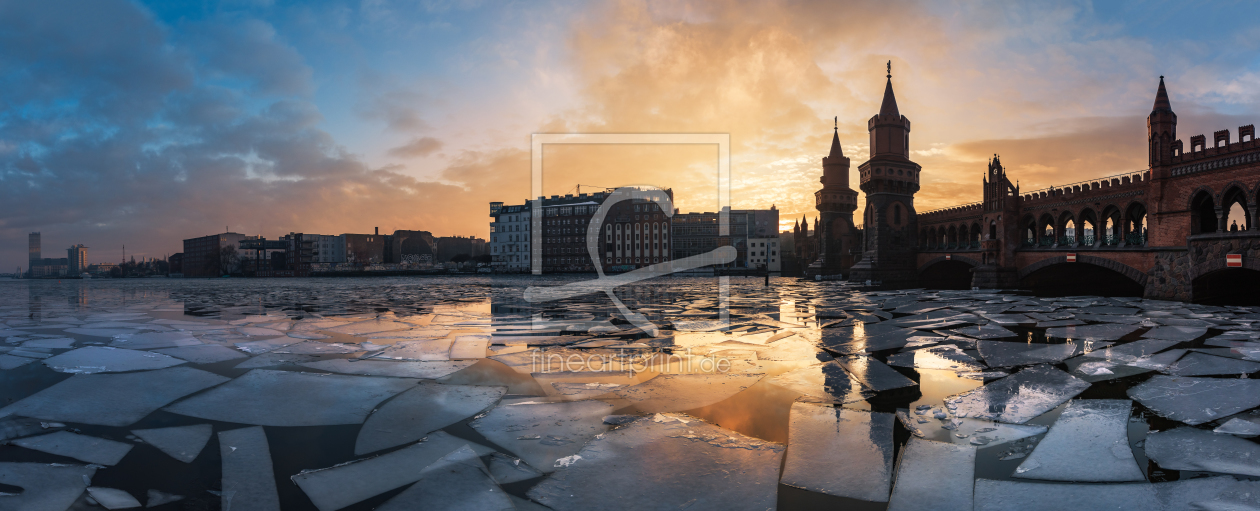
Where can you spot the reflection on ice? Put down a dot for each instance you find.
(1089, 442)
(842, 452)
(1019, 397)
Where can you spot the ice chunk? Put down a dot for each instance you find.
(1244, 425)
(963, 431)
(153, 340)
(934, 476)
(183, 443)
(1199, 364)
(827, 381)
(205, 354)
(470, 347)
(157, 498)
(275, 360)
(17, 427)
(266, 345)
(1020, 397)
(426, 370)
(1103, 332)
(842, 452)
(56, 344)
(342, 485)
(1196, 400)
(986, 332)
(1089, 442)
(102, 332)
(507, 469)
(706, 467)
(422, 409)
(458, 481)
(1007, 495)
(249, 481)
(678, 392)
(541, 433)
(416, 351)
(372, 326)
(936, 357)
(1008, 353)
(80, 447)
(46, 487)
(1187, 448)
(318, 348)
(1220, 493)
(95, 359)
(286, 398)
(113, 498)
(112, 399)
(1175, 333)
(11, 362)
(873, 374)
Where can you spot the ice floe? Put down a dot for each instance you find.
(95, 359)
(1187, 448)
(1089, 443)
(285, 398)
(112, 399)
(458, 481)
(1019, 397)
(542, 433)
(934, 476)
(416, 412)
(80, 447)
(1196, 400)
(249, 481)
(183, 443)
(841, 452)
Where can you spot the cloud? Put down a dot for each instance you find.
(417, 148)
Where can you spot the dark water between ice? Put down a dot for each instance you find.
(761, 411)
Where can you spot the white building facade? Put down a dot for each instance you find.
(510, 238)
(765, 252)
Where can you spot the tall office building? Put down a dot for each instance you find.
(35, 258)
(76, 256)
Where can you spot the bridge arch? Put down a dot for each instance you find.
(1234, 194)
(942, 273)
(1088, 220)
(1110, 224)
(1090, 275)
(1213, 282)
(1046, 228)
(975, 234)
(1203, 210)
(1065, 232)
(1134, 227)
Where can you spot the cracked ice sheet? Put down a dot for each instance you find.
(183, 443)
(155, 340)
(1020, 397)
(666, 462)
(286, 398)
(678, 392)
(874, 374)
(1104, 332)
(827, 381)
(1209, 493)
(841, 452)
(541, 433)
(1187, 448)
(936, 357)
(934, 476)
(112, 498)
(112, 399)
(96, 359)
(207, 354)
(418, 351)
(457, 482)
(1196, 400)
(1089, 442)
(80, 447)
(1245, 425)
(985, 332)
(249, 481)
(1199, 364)
(1009, 353)
(420, 410)
(342, 485)
(47, 487)
(1175, 333)
(966, 431)
(424, 370)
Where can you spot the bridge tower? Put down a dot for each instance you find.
(889, 179)
(1161, 128)
(1000, 228)
(835, 202)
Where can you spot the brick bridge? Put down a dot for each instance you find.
(1164, 232)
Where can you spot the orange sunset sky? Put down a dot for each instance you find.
(145, 124)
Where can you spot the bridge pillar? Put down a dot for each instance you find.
(1251, 216)
(993, 277)
(1220, 221)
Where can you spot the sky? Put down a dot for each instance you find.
(145, 123)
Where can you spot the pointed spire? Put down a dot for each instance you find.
(836, 151)
(1161, 98)
(890, 101)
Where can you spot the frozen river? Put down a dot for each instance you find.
(472, 393)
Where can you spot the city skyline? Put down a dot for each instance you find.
(332, 118)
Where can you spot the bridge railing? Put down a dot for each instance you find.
(1090, 184)
(960, 207)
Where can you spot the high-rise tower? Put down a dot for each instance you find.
(889, 179)
(836, 202)
(36, 258)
